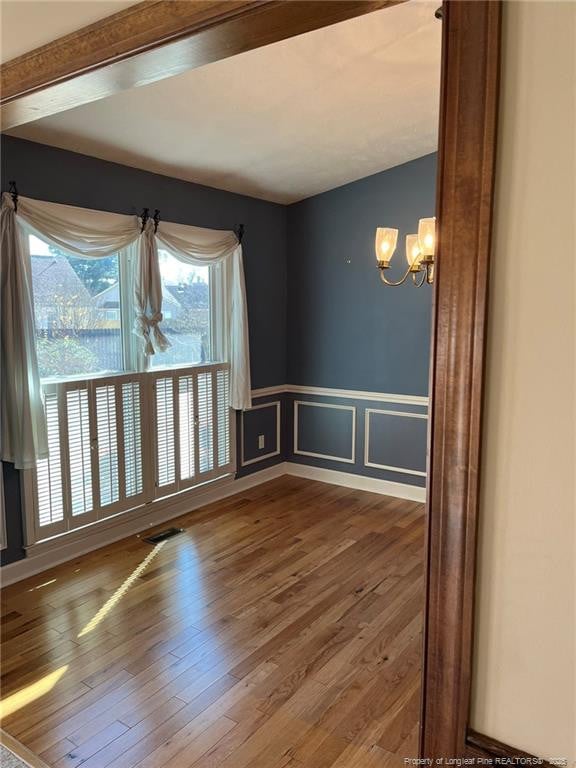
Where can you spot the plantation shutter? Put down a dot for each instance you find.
(49, 501)
(192, 423)
(96, 453)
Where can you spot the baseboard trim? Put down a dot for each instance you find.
(18, 749)
(359, 482)
(495, 752)
(59, 550)
(56, 551)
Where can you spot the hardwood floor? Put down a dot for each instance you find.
(281, 629)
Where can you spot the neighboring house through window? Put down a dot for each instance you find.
(124, 430)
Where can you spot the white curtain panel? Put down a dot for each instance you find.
(148, 293)
(23, 437)
(203, 247)
(97, 234)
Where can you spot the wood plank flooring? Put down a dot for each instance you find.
(282, 629)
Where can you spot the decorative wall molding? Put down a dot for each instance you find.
(356, 394)
(329, 457)
(375, 465)
(280, 389)
(350, 394)
(274, 403)
(360, 482)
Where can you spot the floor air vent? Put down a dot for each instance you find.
(163, 535)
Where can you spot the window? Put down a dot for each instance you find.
(119, 436)
(186, 307)
(77, 312)
(84, 317)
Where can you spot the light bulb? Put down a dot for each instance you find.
(427, 237)
(413, 253)
(385, 245)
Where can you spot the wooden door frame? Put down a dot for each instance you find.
(156, 39)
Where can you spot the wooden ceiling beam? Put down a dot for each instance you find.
(153, 40)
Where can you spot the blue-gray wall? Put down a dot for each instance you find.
(317, 312)
(47, 173)
(347, 330)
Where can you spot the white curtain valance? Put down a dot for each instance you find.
(80, 231)
(198, 245)
(97, 234)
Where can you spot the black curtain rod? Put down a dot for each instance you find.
(13, 191)
(146, 215)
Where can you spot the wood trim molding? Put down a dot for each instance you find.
(153, 40)
(160, 38)
(485, 747)
(22, 752)
(465, 191)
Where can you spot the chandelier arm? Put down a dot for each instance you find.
(390, 282)
(422, 278)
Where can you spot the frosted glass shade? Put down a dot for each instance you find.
(413, 252)
(385, 244)
(427, 237)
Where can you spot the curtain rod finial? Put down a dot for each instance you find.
(13, 191)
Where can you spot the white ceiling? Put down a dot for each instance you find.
(282, 122)
(28, 24)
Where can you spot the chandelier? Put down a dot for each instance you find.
(420, 250)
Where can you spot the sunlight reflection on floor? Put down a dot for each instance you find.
(111, 602)
(40, 688)
(32, 692)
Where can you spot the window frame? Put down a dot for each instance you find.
(136, 367)
(125, 274)
(132, 354)
(219, 324)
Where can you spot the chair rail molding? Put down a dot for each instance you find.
(345, 394)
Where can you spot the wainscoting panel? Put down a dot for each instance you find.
(395, 440)
(266, 417)
(375, 435)
(325, 431)
(262, 420)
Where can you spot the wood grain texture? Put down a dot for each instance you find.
(153, 40)
(466, 167)
(282, 628)
(21, 751)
